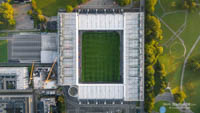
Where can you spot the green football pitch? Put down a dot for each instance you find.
(100, 57)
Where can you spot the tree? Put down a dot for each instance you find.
(150, 70)
(150, 6)
(153, 28)
(161, 82)
(61, 99)
(30, 12)
(194, 64)
(42, 18)
(179, 97)
(7, 14)
(34, 5)
(69, 8)
(190, 5)
(173, 4)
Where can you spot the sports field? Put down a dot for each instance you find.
(100, 57)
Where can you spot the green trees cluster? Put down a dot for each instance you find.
(6, 14)
(123, 2)
(160, 78)
(36, 14)
(154, 70)
(190, 5)
(194, 64)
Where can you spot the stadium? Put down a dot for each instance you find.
(101, 55)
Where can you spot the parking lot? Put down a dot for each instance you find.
(24, 48)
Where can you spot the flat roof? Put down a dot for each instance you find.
(21, 74)
(132, 25)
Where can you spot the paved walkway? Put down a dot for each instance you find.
(186, 59)
(167, 96)
(23, 20)
(181, 40)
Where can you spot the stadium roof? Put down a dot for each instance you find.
(132, 26)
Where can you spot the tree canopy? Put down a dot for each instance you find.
(69, 8)
(6, 14)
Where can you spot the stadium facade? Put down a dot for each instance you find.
(132, 26)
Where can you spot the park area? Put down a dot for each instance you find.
(51, 7)
(3, 51)
(100, 57)
(181, 42)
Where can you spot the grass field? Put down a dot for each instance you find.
(100, 57)
(191, 81)
(51, 7)
(3, 51)
(167, 105)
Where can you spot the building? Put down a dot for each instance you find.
(15, 103)
(48, 103)
(13, 78)
(131, 28)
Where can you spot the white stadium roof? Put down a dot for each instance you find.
(132, 25)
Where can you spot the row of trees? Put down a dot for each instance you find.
(6, 14)
(155, 81)
(123, 2)
(36, 14)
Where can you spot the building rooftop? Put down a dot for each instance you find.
(132, 25)
(20, 76)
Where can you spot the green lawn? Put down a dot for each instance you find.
(169, 107)
(51, 7)
(2, 34)
(100, 57)
(3, 51)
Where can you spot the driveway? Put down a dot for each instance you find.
(23, 21)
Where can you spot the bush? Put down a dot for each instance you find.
(69, 8)
(179, 97)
